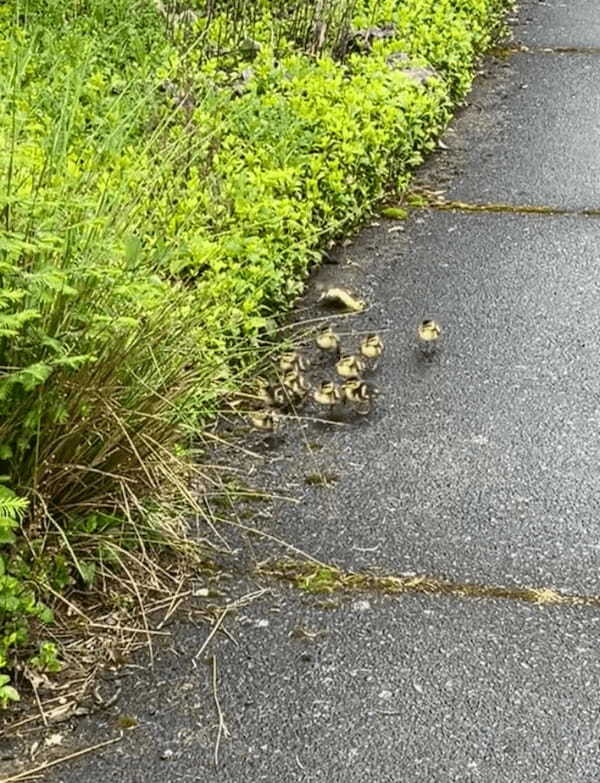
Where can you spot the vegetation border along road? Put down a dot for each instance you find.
(164, 197)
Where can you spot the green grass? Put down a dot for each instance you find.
(166, 191)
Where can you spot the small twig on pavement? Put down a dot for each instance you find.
(214, 629)
(261, 534)
(39, 704)
(222, 730)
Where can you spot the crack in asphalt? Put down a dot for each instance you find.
(318, 579)
(507, 51)
(514, 209)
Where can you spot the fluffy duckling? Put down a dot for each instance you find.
(428, 335)
(327, 340)
(292, 360)
(359, 394)
(350, 367)
(294, 385)
(265, 392)
(271, 395)
(280, 397)
(327, 394)
(264, 421)
(371, 347)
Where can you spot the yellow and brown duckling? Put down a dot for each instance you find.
(271, 395)
(428, 336)
(294, 386)
(327, 394)
(264, 393)
(350, 367)
(290, 361)
(371, 348)
(327, 340)
(358, 394)
(280, 397)
(264, 421)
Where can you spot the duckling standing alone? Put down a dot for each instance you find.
(358, 394)
(342, 299)
(371, 347)
(428, 336)
(327, 340)
(350, 367)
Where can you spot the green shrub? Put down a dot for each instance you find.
(95, 345)
(19, 604)
(311, 145)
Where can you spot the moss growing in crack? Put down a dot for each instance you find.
(313, 446)
(504, 52)
(321, 578)
(515, 209)
(394, 213)
(429, 199)
(127, 722)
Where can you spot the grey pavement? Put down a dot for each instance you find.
(531, 134)
(481, 466)
(559, 23)
(393, 690)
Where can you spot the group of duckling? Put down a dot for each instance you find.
(353, 390)
(293, 390)
(350, 391)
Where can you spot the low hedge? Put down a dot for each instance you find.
(303, 155)
(161, 210)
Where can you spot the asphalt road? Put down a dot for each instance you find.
(568, 23)
(480, 466)
(394, 690)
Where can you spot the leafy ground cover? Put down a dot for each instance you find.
(170, 176)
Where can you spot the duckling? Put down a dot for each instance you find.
(359, 394)
(328, 394)
(350, 367)
(327, 340)
(265, 420)
(265, 393)
(292, 360)
(280, 397)
(270, 395)
(294, 385)
(428, 335)
(371, 347)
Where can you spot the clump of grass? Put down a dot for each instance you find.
(230, 29)
(103, 365)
